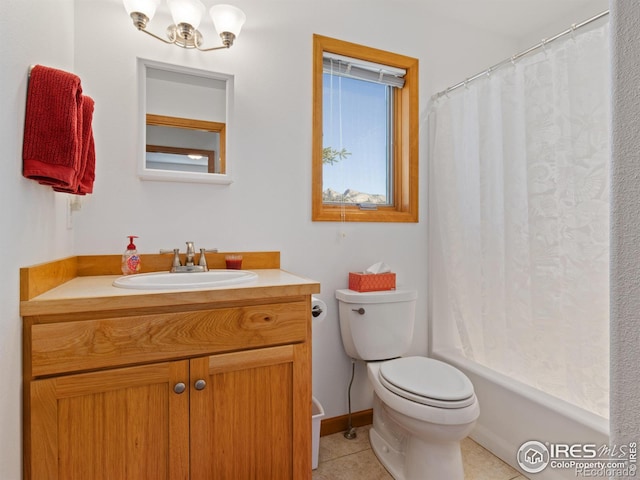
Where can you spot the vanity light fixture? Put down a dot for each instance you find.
(227, 20)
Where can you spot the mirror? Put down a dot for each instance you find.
(185, 144)
(184, 120)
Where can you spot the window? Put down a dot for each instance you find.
(365, 134)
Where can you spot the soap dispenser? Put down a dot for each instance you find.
(130, 258)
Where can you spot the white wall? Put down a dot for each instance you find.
(268, 205)
(625, 223)
(32, 217)
(187, 96)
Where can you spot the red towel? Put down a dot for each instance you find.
(52, 147)
(85, 169)
(88, 173)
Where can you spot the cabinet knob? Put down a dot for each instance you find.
(179, 387)
(200, 384)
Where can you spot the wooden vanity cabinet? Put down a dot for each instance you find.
(124, 423)
(219, 393)
(247, 419)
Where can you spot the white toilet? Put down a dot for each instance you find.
(422, 407)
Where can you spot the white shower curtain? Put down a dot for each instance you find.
(518, 219)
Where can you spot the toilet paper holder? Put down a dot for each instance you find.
(316, 311)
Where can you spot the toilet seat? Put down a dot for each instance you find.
(427, 381)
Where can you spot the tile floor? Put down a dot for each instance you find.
(342, 459)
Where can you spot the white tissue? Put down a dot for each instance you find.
(318, 310)
(379, 267)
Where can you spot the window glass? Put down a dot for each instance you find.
(357, 159)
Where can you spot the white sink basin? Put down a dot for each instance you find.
(184, 281)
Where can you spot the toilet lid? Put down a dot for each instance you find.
(427, 381)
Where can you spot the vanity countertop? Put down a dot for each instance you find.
(94, 293)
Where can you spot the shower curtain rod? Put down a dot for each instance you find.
(515, 57)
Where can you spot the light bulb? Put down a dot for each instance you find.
(146, 7)
(186, 11)
(227, 18)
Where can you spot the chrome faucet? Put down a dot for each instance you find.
(191, 252)
(189, 264)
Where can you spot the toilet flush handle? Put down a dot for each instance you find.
(359, 310)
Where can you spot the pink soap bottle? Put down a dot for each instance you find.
(130, 258)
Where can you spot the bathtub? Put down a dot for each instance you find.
(512, 413)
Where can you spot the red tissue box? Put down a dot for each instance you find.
(371, 282)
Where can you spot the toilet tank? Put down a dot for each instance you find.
(376, 325)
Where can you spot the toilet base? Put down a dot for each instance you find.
(429, 467)
(409, 457)
(391, 459)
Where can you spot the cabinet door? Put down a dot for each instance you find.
(125, 423)
(243, 421)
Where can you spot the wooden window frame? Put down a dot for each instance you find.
(405, 165)
(192, 124)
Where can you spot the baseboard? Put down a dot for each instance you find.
(341, 423)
